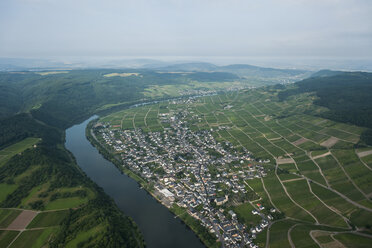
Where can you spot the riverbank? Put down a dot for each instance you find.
(203, 234)
(156, 223)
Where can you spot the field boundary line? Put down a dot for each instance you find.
(340, 194)
(289, 235)
(16, 237)
(335, 240)
(144, 118)
(292, 180)
(360, 159)
(313, 238)
(268, 195)
(336, 211)
(276, 167)
(347, 175)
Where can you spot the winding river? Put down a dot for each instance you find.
(158, 225)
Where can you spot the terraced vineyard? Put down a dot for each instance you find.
(37, 204)
(316, 177)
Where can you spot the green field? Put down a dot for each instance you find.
(244, 213)
(300, 192)
(71, 202)
(10, 151)
(84, 235)
(278, 233)
(5, 190)
(33, 238)
(6, 237)
(352, 240)
(7, 216)
(47, 219)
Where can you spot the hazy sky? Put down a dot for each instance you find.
(329, 28)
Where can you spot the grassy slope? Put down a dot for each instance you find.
(10, 151)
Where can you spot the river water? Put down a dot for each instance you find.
(159, 227)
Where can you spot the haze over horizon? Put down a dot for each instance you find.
(235, 28)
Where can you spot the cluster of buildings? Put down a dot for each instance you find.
(187, 167)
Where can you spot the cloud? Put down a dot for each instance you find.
(195, 28)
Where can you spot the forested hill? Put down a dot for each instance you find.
(347, 95)
(60, 98)
(36, 171)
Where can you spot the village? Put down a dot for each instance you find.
(191, 170)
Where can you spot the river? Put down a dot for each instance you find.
(158, 225)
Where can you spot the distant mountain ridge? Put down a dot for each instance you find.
(16, 64)
(326, 73)
(241, 70)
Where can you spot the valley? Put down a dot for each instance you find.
(247, 167)
(241, 162)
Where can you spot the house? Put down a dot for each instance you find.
(221, 200)
(167, 194)
(254, 211)
(233, 215)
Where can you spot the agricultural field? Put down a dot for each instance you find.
(318, 179)
(26, 228)
(31, 213)
(193, 87)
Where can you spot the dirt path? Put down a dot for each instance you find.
(341, 195)
(276, 168)
(290, 197)
(320, 170)
(268, 195)
(291, 180)
(360, 159)
(315, 163)
(289, 235)
(284, 160)
(341, 245)
(145, 118)
(330, 208)
(267, 245)
(347, 175)
(121, 121)
(321, 155)
(325, 134)
(14, 239)
(246, 135)
(134, 116)
(285, 152)
(314, 238)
